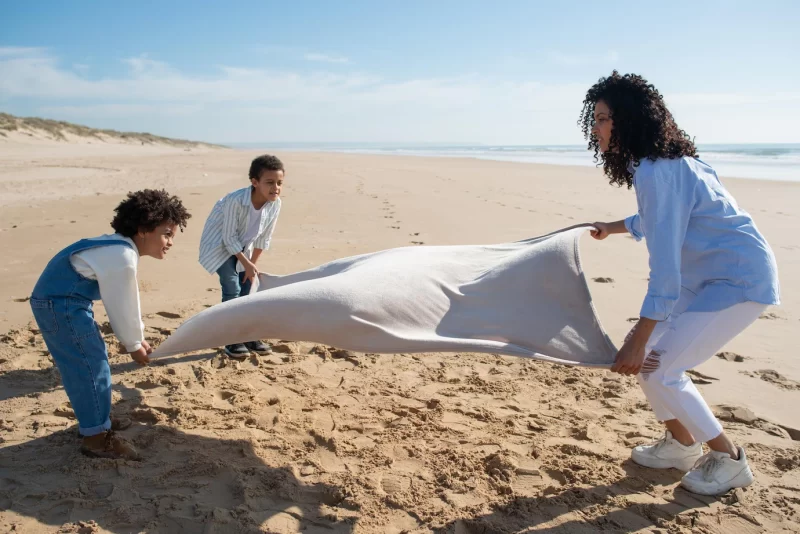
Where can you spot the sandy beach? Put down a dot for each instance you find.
(315, 439)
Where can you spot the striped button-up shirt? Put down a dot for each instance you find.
(226, 226)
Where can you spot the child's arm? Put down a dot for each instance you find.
(115, 268)
(263, 240)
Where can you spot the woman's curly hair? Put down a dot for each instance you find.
(147, 209)
(643, 126)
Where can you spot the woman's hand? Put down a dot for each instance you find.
(630, 357)
(600, 231)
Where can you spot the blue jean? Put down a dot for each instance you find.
(233, 283)
(74, 340)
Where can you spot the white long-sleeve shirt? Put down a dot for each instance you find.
(115, 269)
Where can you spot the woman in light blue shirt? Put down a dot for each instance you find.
(712, 273)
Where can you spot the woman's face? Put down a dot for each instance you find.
(602, 125)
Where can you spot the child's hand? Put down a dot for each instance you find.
(140, 356)
(147, 347)
(250, 271)
(600, 231)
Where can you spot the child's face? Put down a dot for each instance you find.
(269, 184)
(157, 243)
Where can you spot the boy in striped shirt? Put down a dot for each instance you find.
(237, 231)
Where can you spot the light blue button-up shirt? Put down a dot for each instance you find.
(699, 239)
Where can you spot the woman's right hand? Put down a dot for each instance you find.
(600, 230)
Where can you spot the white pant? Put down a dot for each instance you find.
(684, 341)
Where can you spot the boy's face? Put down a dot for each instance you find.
(157, 243)
(269, 184)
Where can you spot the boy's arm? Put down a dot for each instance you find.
(115, 267)
(230, 235)
(263, 240)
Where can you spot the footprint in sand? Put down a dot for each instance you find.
(770, 316)
(730, 356)
(418, 242)
(774, 377)
(603, 280)
(168, 315)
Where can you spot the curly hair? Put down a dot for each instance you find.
(643, 126)
(265, 163)
(145, 210)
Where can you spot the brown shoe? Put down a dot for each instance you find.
(108, 445)
(117, 424)
(120, 423)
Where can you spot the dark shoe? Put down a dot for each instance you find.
(258, 347)
(108, 445)
(237, 351)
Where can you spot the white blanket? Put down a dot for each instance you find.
(528, 298)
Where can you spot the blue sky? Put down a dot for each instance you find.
(501, 72)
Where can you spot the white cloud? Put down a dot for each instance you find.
(234, 103)
(325, 58)
(20, 51)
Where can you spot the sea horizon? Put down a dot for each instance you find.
(768, 161)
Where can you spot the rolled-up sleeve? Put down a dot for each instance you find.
(634, 226)
(663, 221)
(230, 224)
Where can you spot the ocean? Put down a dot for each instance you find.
(758, 161)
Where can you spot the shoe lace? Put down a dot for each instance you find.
(707, 464)
(660, 443)
(109, 441)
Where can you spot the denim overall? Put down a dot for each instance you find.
(62, 306)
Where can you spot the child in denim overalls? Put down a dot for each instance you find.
(103, 268)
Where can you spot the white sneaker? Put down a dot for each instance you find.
(667, 453)
(717, 473)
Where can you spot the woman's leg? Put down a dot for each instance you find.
(692, 338)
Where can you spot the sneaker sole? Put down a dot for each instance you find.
(746, 474)
(662, 463)
(236, 356)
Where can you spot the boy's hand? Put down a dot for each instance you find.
(140, 356)
(250, 271)
(600, 231)
(147, 347)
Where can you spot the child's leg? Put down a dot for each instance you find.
(229, 280)
(691, 339)
(79, 352)
(245, 285)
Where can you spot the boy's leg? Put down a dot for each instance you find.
(258, 346)
(245, 285)
(231, 289)
(79, 352)
(229, 280)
